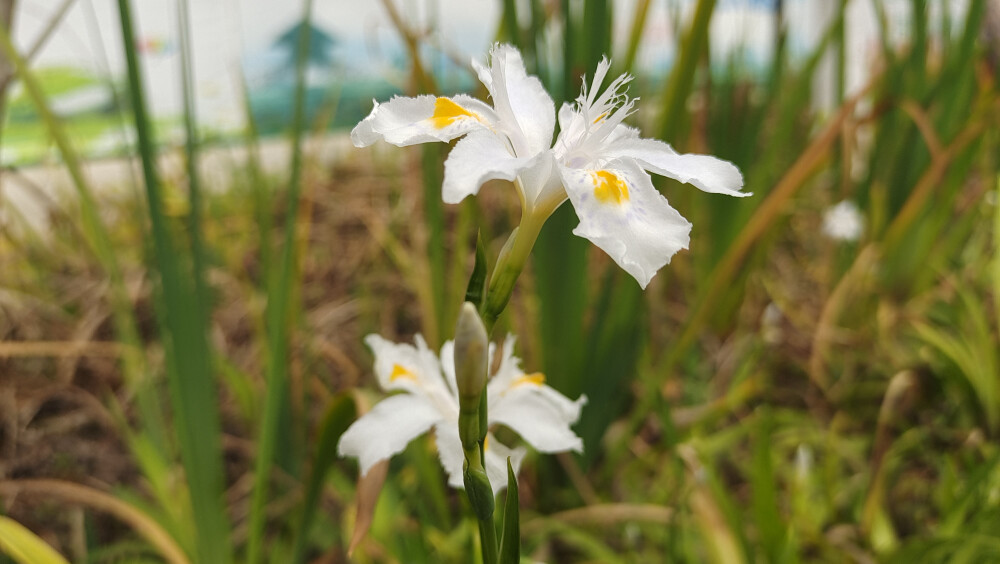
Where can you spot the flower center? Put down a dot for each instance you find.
(400, 372)
(447, 112)
(608, 188)
(537, 379)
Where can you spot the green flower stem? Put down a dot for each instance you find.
(480, 493)
(510, 263)
(473, 423)
(488, 536)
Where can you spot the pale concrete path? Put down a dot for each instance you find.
(31, 191)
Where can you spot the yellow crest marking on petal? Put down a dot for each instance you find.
(486, 443)
(600, 117)
(608, 188)
(537, 379)
(447, 112)
(401, 372)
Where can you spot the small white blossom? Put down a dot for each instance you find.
(429, 400)
(803, 462)
(770, 323)
(843, 222)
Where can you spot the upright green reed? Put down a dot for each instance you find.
(280, 321)
(680, 82)
(191, 147)
(189, 369)
(433, 172)
(635, 35)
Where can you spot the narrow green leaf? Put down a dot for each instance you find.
(192, 385)
(597, 29)
(560, 266)
(569, 51)
(476, 289)
(511, 31)
(191, 147)
(638, 26)
(339, 416)
(611, 353)
(764, 489)
(24, 546)
(279, 307)
(510, 540)
(681, 79)
(433, 173)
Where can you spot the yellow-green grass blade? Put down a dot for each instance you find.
(24, 546)
(192, 385)
(279, 313)
(681, 79)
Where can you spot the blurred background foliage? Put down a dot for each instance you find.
(179, 358)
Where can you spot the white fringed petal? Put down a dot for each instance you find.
(706, 172)
(496, 462)
(538, 413)
(407, 121)
(414, 369)
(449, 448)
(387, 429)
(526, 111)
(622, 213)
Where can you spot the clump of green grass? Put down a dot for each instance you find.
(776, 396)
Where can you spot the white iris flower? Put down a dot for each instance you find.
(429, 399)
(597, 162)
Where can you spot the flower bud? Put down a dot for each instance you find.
(477, 487)
(471, 363)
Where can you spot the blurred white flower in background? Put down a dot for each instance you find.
(843, 222)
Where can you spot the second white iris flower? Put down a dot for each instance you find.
(522, 402)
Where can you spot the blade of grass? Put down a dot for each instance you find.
(191, 145)
(569, 52)
(996, 250)
(510, 541)
(192, 386)
(69, 492)
(679, 83)
(511, 29)
(765, 495)
(258, 186)
(597, 28)
(635, 36)
(25, 546)
(433, 174)
(340, 414)
(278, 308)
(560, 266)
(612, 348)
